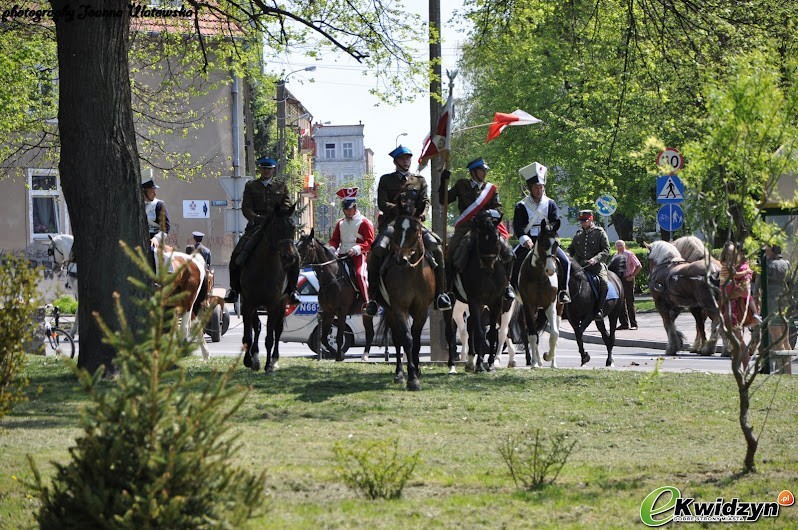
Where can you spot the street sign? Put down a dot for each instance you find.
(234, 186)
(196, 209)
(606, 205)
(671, 157)
(670, 189)
(670, 217)
(218, 203)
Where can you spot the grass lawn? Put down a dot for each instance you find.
(635, 432)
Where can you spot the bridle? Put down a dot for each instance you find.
(417, 247)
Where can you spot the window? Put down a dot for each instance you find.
(349, 150)
(329, 150)
(45, 203)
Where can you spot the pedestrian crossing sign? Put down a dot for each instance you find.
(670, 189)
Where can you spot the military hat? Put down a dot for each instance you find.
(585, 214)
(399, 151)
(147, 182)
(479, 162)
(198, 235)
(348, 197)
(534, 173)
(266, 161)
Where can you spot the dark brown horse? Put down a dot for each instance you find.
(264, 282)
(338, 296)
(537, 289)
(676, 284)
(406, 290)
(481, 284)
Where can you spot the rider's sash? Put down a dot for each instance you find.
(482, 200)
(536, 213)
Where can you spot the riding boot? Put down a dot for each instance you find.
(235, 281)
(292, 276)
(602, 298)
(442, 300)
(374, 265)
(507, 256)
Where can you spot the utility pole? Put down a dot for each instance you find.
(281, 97)
(438, 348)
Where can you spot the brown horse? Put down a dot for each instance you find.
(406, 290)
(537, 289)
(338, 296)
(264, 282)
(676, 284)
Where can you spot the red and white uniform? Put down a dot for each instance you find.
(355, 234)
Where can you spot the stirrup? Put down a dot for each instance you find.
(293, 298)
(370, 308)
(564, 297)
(443, 302)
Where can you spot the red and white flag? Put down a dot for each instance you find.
(502, 120)
(440, 140)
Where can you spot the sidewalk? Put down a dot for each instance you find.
(650, 333)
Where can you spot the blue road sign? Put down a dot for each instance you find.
(670, 189)
(606, 205)
(670, 217)
(218, 203)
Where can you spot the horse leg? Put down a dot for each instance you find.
(277, 331)
(399, 374)
(494, 360)
(608, 338)
(419, 319)
(460, 316)
(700, 335)
(711, 344)
(451, 343)
(674, 338)
(579, 330)
(368, 325)
(254, 349)
(504, 328)
(341, 326)
(554, 333)
(326, 327)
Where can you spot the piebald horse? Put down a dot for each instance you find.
(189, 271)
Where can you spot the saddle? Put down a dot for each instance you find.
(593, 280)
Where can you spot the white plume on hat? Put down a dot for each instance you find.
(535, 172)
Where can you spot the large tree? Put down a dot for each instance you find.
(99, 158)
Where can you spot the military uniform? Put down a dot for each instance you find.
(201, 249)
(403, 194)
(591, 248)
(262, 198)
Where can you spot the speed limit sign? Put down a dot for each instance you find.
(672, 158)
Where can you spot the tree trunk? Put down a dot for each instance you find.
(99, 167)
(623, 225)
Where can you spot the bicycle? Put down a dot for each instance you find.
(61, 342)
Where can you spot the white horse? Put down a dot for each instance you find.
(190, 271)
(61, 251)
(460, 316)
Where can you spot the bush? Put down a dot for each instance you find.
(155, 452)
(535, 461)
(375, 470)
(66, 304)
(19, 305)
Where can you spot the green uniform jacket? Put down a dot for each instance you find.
(590, 243)
(262, 200)
(465, 194)
(391, 186)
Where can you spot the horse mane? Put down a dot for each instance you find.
(663, 251)
(691, 248)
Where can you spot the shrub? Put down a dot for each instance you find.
(375, 470)
(66, 304)
(155, 452)
(535, 461)
(19, 308)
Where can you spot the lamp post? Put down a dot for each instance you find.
(396, 142)
(281, 118)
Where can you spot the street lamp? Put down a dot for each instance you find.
(281, 118)
(396, 143)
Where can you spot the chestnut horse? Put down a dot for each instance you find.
(537, 289)
(406, 289)
(338, 296)
(264, 282)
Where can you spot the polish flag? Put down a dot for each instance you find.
(502, 120)
(440, 140)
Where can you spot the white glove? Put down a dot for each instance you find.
(355, 251)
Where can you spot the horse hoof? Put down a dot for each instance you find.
(554, 364)
(610, 363)
(365, 358)
(248, 360)
(585, 359)
(269, 370)
(479, 369)
(452, 370)
(399, 379)
(511, 364)
(413, 385)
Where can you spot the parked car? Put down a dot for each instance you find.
(302, 323)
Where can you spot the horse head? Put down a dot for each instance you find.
(282, 230)
(312, 251)
(660, 252)
(61, 248)
(487, 236)
(407, 246)
(407, 202)
(545, 249)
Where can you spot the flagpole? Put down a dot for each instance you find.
(446, 167)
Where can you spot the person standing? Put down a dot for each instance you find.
(263, 197)
(390, 191)
(473, 195)
(154, 208)
(201, 249)
(777, 270)
(528, 215)
(353, 237)
(628, 268)
(590, 248)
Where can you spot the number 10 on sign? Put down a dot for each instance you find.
(671, 157)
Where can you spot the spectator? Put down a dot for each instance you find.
(777, 270)
(626, 265)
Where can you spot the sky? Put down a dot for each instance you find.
(337, 92)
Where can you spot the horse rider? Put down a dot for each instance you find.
(527, 217)
(154, 208)
(262, 198)
(390, 191)
(473, 195)
(591, 248)
(201, 249)
(353, 236)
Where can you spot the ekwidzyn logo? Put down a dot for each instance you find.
(666, 504)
